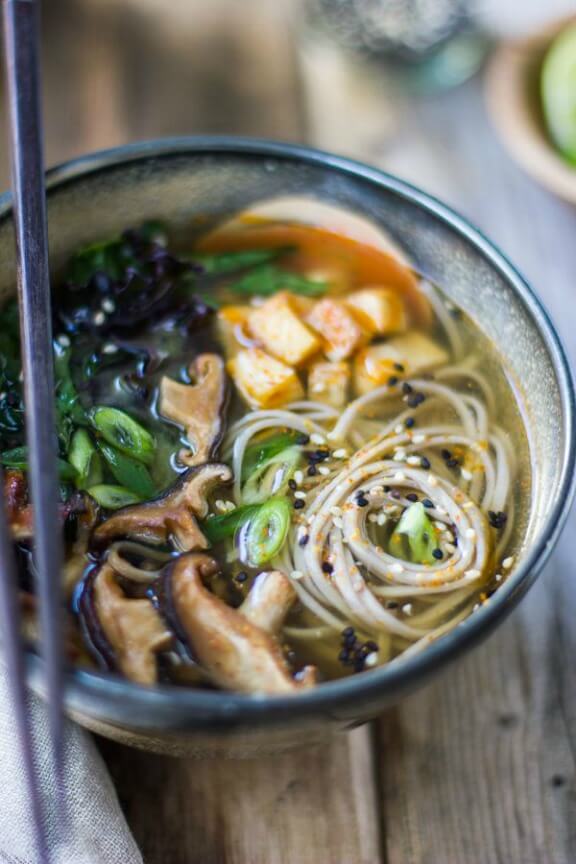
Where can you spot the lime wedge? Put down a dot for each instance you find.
(559, 92)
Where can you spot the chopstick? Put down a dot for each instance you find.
(21, 47)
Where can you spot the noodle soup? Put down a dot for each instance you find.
(285, 457)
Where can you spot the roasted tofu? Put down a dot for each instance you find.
(264, 381)
(378, 310)
(329, 383)
(278, 327)
(340, 331)
(414, 351)
(233, 328)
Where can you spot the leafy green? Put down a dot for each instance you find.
(261, 452)
(83, 456)
(268, 279)
(69, 410)
(224, 525)
(229, 262)
(414, 538)
(272, 476)
(18, 458)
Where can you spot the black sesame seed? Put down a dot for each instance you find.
(318, 455)
(392, 604)
(395, 494)
(428, 503)
(497, 520)
(302, 438)
(425, 463)
(242, 576)
(411, 496)
(344, 656)
(299, 504)
(446, 454)
(386, 488)
(416, 400)
(406, 388)
(312, 471)
(409, 422)
(361, 501)
(399, 367)
(292, 484)
(452, 463)
(303, 540)
(349, 631)
(438, 554)
(372, 646)
(392, 381)
(327, 567)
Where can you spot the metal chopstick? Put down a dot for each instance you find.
(21, 46)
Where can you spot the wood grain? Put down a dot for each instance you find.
(478, 768)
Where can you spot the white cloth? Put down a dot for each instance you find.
(96, 832)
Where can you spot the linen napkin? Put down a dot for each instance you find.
(96, 831)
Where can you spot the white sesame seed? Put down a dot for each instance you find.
(371, 659)
(476, 607)
(336, 511)
(324, 471)
(399, 429)
(341, 453)
(468, 505)
(110, 348)
(399, 455)
(449, 548)
(219, 504)
(432, 480)
(470, 533)
(471, 574)
(296, 574)
(315, 438)
(372, 517)
(407, 608)
(108, 305)
(399, 476)
(376, 491)
(465, 474)
(337, 522)
(99, 318)
(63, 340)
(381, 519)
(298, 477)
(413, 460)
(396, 569)
(419, 438)
(508, 562)
(299, 494)
(498, 577)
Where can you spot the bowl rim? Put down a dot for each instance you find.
(166, 707)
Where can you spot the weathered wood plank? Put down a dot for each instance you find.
(302, 808)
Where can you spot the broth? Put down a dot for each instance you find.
(284, 458)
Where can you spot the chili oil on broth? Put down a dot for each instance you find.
(167, 348)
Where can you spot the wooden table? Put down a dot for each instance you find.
(479, 767)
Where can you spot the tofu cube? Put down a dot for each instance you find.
(277, 325)
(329, 383)
(340, 331)
(378, 310)
(264, 381)
(415, 351)
(232, 323)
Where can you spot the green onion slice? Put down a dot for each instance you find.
(112, 497)
(124, 433)
(263, 534)
(128, 472)
(414, 538)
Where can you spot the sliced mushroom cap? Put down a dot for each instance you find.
(125, 634)
(235, 652)
(269, 601)
(199, 407)
(173, 515)
(75, 563)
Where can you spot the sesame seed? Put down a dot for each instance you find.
(371, 659)
(337, 522)
(468, 505)
(312, 471)
(411, 496)
(109, 348)
(296, 574)
(415, 400)
(397, 569)
(299, 504)
(292, 485)
(470, 533)
(327, 567)
(425, 463)
(381, 519)
(392, 381)
(465, 474)
(432, 480)
(241, 577)
(302, 541)
(63, 340)
(399, 455)
(471, 574)
(315, 438)
(498, 577)
(508, 562)
(419, 438)
(323, 470)
(407, 608)
(428, 503)
(108, 305)
(449, 548)
(409, 422)
(298, 477)
(399, 476)
(399, 367)
(300, 495)
(341, 453)
(99, 318)
(438, 554)
(398, 429)
(361, 501)
(406, 388)
(413, 460)
(372, 517)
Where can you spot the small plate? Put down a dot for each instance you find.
(513, 95)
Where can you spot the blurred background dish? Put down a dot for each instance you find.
(515, 86)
